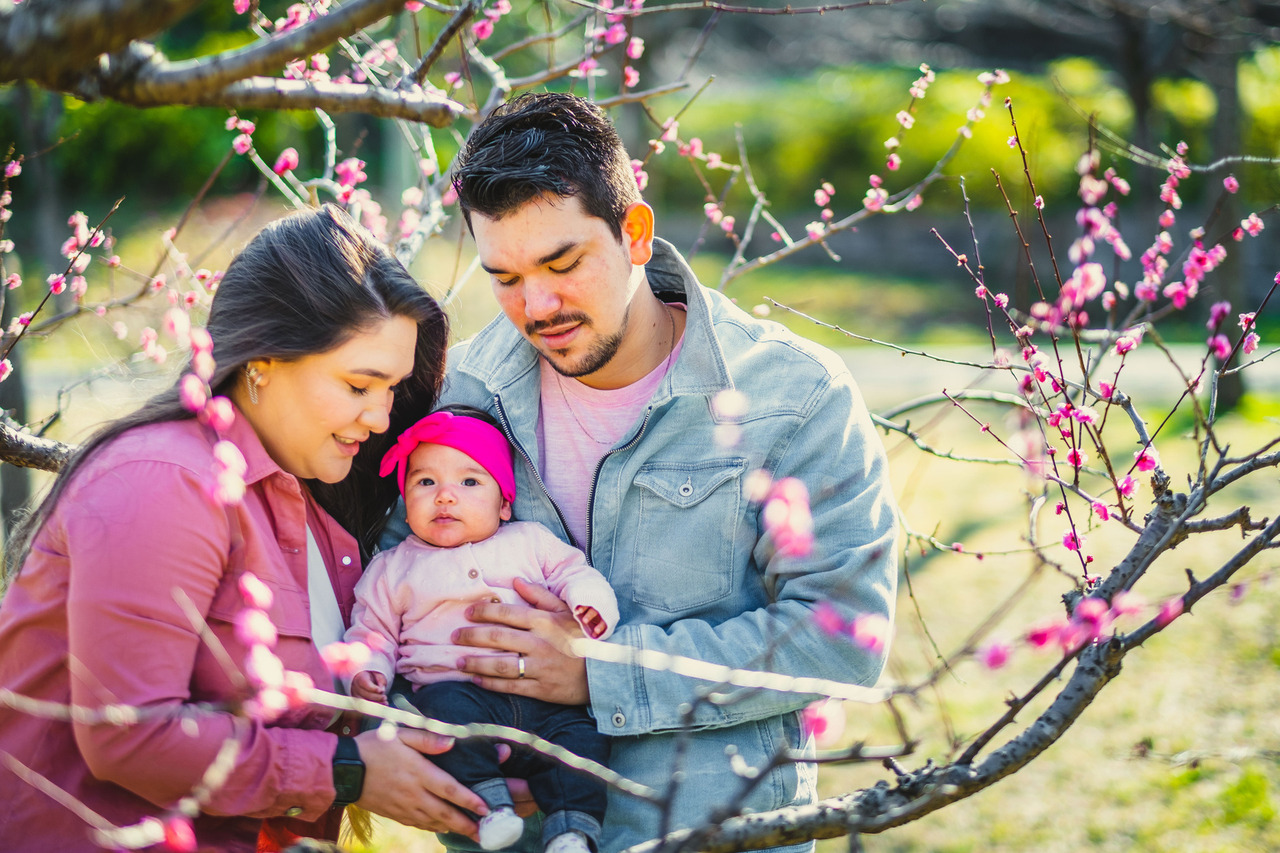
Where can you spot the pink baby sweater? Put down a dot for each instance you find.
(414, 596)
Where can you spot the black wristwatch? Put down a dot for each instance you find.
(348, 772)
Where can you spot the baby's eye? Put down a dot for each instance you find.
(426, 481)
(471, 481)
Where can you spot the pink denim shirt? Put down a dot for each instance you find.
(415, 596)
(92, 619)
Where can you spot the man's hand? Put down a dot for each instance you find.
(540, 635)
(590, 619)
(371, 686)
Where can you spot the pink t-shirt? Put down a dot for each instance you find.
(578, 425)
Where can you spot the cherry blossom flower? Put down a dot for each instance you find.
(635, 48)
(218, 413)
(1147, 459)
(263, 668)
(787, 518)
(828, 619)
(240, 6)
(192, 393)
(871, 632)
(824, 720)
(1169, 611)
(1127, 487)
(1127, 603)
(1250, 343)
(254, 627)
(255, 593)
(179, 835)
(242, 143)
(57, 283)
(287, 161)
(345, 659)
(12, 169)
(1101, 510)
(6, 369)
(630, 77)
(905, 119)
(1253, 225)
(1220, 345)
(1230, 184)
(995, 654)
(1071, 541)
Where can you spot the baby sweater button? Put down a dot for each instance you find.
(473, 574)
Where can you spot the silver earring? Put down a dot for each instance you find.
(252, 377)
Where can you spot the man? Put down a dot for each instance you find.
(615, 375)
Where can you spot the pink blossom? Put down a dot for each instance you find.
(242, 143)
(1147, 459)
(905, 119)
(1077, 457)
(192, 393)
(218, 413)
(1127, 603)
(1253, 225)
(1169, 611)
(1220, 345)
(179, 835)
(916, 201)
(1071, 541)
(616, 34)
(1250, 343)
(255, 593)
(1039, 202)
(871, 632)
(995, 654)
(57, 283)
(287, 161)
(263, 668)
(345, 659)
(635, 48)
(1246, 320)
(12, 169)
(630, 77)
(1105, 390)
(200, 340)
(414, 6)
(1101, 510)
(6, 369)
(1127, 487)
(823, 720)
(1126, 343)
(350, 172)
(787, 518)
(1230, 184)
(297, 688)
(240, 6)
(254, 627)
(893, 162)
(875, 198)
(815, 230)
(1045, 634)
(1001, 300)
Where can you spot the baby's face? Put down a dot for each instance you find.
(451, 499)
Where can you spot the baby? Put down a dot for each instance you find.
(455, 472)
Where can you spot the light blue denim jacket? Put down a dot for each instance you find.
(686, 551)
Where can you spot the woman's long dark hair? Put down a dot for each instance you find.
(303, 285)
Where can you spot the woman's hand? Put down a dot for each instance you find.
(402, 784)
(539, 635)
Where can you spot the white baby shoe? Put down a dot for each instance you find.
(568, 842)
(500, 828)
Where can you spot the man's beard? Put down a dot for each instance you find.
(596, 358)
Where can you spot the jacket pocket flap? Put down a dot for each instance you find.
(686, 484)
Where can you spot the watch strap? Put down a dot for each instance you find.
(348, 771)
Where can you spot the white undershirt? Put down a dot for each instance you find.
(326, 616)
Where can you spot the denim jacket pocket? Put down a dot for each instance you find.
(683, 555)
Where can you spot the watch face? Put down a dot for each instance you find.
(348, 779)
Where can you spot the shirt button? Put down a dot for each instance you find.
(346, 561)
(686, 489)
(346, 730)
(293, 812)
(473, 574)
(619, 719)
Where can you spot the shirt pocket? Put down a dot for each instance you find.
(683, 555)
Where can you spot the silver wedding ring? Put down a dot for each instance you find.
(519, 666)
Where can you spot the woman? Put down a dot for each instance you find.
(327, 347)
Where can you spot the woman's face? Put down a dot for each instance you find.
(313, 413)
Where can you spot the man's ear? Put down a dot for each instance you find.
(637, 232)
(505, 512)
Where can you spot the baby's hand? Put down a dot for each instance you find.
(590, 620)
(370, 686)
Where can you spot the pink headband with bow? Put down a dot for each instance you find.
(479, 440)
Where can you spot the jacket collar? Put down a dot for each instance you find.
(500, 357)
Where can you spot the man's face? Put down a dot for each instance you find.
(566, 281)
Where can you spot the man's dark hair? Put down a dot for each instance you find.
(540, 143)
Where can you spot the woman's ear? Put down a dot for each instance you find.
(637, 232)
(258, 371)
